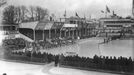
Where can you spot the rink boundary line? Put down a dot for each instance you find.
(25, 62)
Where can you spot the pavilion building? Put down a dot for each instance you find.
(70, 28)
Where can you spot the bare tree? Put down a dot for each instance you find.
(24, 12)
(41, 13)
(18, 14)
(12, 15)
(32, 12)
(9, 15)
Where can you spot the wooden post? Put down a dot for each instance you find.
(49, 33)
(73, 34)
(34, 35)
(43, 35)
(85, 31)
(55, 33)
(80, 32)
(65, 33)
(60, 33)
(76, 32)
(69, 32)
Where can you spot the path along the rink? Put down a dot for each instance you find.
(13, 68)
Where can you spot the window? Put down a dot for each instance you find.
(72, 22)
(114, 25)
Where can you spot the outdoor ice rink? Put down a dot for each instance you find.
(90, 47)
(86, 47)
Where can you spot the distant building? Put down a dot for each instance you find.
(8, 31)
(80, 27)
(116, 25)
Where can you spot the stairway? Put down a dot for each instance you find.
(25, 37)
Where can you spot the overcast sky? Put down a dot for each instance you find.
(87, 7)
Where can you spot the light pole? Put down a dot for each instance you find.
(99, 48)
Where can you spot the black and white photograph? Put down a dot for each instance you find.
(66, 37)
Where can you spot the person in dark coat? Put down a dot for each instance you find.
(4, 74)
(56, 60)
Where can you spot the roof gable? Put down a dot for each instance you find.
(30, 25)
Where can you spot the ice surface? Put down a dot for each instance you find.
(90, 47)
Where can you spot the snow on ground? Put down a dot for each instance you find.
(67, 71)
(13, 68)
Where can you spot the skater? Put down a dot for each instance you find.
(56, 60)
(4, 74)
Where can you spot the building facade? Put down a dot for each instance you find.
(116, 26)
(70, 28)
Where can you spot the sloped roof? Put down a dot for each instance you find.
(40, 26)
(45, 25)
(57, 25)
(48, 26)
(30, 25)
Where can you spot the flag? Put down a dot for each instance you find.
(107, 9)
(76, 14)
(102, 11)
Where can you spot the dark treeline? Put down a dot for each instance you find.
(17, 14)
(103, 63)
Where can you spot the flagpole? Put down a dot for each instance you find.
(106, 14)
(65, 15)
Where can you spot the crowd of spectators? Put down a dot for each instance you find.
(19, 44)
(47, 57)
(97, 62)
(104, 63)
(120, 64)
(14, 44)
(53, 43)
